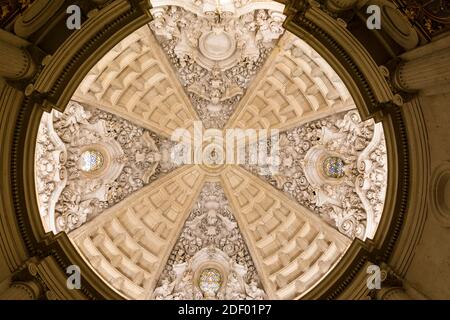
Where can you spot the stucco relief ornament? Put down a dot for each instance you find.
(216, 54)
(236, 3)
(209, 285)
(337, 168)
(210, 231)
(51, 175)
(102, 160)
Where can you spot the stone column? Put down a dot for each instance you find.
(424, 72)
(16, 62)
(393, 293)
(28, 290)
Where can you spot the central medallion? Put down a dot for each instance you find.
(217, 45)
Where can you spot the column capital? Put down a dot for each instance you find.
(20, 64)
(36, 16)
(22, 290)
(427, 71)
(26, 283)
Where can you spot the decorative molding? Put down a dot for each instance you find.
(217, 51)
(210, 226)
(351, 197)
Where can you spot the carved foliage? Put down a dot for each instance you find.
(216, 56)
(210, 225)
(135, 158)
(348, 202)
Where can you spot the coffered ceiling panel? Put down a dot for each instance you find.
(292, 247)
(295, 86)
(129, 244)
(135, 81)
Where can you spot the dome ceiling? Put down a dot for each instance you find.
(155, 228)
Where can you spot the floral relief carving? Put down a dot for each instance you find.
(347, 202)
(216, 57)
(182, 287)
(136, 158)
(50, 175)
(211, 226)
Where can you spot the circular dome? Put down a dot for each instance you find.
(272, 232)
(259, 179)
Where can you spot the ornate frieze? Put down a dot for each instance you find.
(216, 51)
(210, 236)
(87, 160)
(336, 167)
(50, 175)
